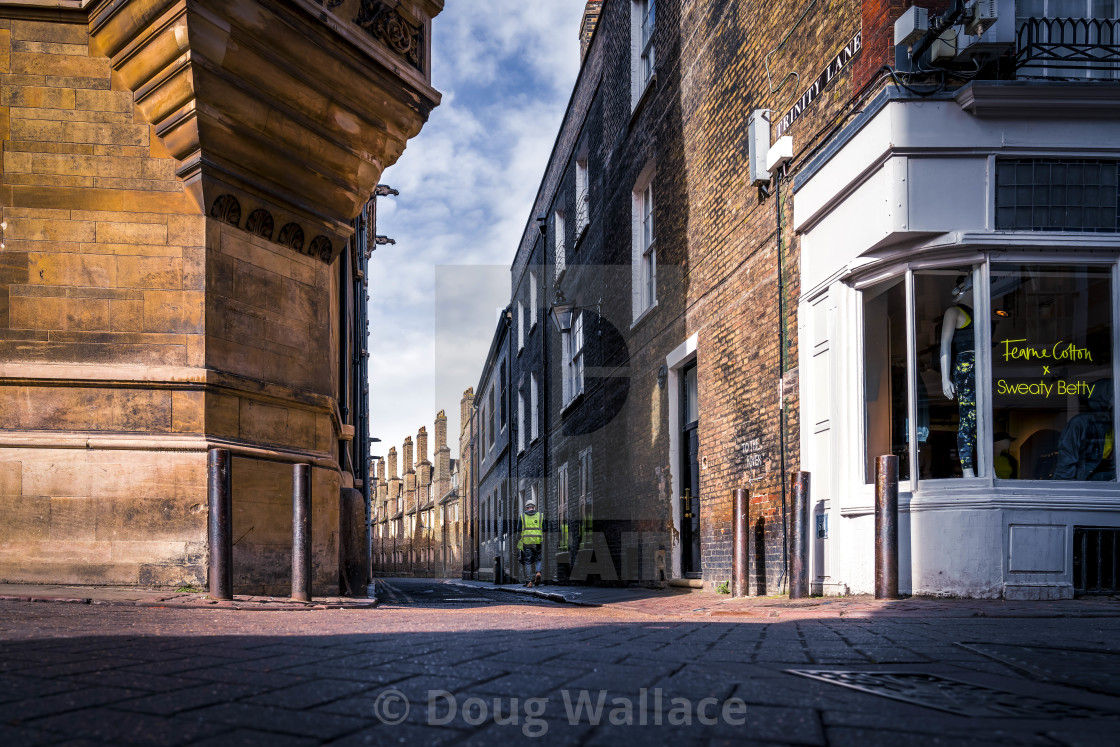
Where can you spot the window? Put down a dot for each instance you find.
(583, 193)
(532, 300)
(572, 361)
(1057, 195)
(562, 504)
(490, 418)
(1045, 334)
(482, 426)
(533, 407)
(502, 404)
(644, 256)
(642, 18)
(586, 498)
(560, 248)
(520, 421)
(520, 326)
(1052, 393)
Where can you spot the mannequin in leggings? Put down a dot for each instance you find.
(958, 370)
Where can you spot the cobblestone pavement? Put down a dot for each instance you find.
(469, 665)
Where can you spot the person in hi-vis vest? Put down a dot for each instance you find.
(531, 532)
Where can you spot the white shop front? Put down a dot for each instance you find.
(959, 309)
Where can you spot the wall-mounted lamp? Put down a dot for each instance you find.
(662, 376)
(542, 224)
(3, 227)
(561, 312)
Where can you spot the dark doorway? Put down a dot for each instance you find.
(690, 475)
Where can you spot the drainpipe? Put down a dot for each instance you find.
(781, 378)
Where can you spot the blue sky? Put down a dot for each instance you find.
(506, 70)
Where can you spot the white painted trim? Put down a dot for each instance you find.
(681, 356)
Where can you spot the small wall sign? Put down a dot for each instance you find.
(833, 69)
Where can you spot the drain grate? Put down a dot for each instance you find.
(1090, 669)
(951, 696)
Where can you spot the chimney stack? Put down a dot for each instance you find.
(587, 26)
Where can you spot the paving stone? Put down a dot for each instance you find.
(116, 727)
(189, 698)
(282, 720)
(72, 700)
(250, 738)
(309, 694)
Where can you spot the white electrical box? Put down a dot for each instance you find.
(984, 13)
(944, 47)
(911, 25)
(758, 131)
(780, 153)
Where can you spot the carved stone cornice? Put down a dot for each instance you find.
(289, 107)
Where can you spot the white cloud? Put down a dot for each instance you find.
(506, 70)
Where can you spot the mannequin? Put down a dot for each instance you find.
(958, 369)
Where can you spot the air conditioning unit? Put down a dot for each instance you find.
(911, 26)
(982, 15)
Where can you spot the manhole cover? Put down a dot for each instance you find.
(1088, 669)
(951, 696)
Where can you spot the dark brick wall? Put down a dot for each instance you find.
(727, 272)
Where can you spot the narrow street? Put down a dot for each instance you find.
(438, 662)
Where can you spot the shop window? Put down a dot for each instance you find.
(1052, 373)
(884, 384)
(946, 331)
(1045, 332)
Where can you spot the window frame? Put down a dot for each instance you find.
(520, 420)
(573, 349)
(520, 326)
(583, 193)
(532, 300)
(643, 58)
(534, 407)
(1024, 252)
(559, 242)
(644, 250)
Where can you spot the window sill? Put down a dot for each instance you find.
(643, 316)
(571, 403)
(643, 98)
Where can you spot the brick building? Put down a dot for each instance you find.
(731, 308)
(417, 520)
(186, 198)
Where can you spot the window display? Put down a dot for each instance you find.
(946, 323)
(1045, 331)
(1052, 370)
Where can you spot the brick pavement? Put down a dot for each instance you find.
(120, 674)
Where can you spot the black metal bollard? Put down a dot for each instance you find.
(741, 533)
(799, 536)
(498, 575)
(301, 532)
(219, 523)
(886, 527)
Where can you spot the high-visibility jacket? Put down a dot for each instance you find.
(531, 533)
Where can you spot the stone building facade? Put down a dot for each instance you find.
(418, 522)
(180, 274)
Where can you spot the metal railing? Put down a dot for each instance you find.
(1054, 46)
(220, 523)
(1096, 560)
